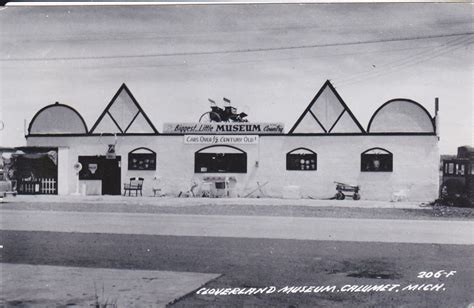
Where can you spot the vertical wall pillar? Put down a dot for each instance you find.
(63, 171)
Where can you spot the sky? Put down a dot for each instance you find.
(270, 60)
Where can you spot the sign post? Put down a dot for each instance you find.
(110, 152)
(77, 168)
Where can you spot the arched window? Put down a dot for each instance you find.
(376, 160)
(220, 159)
(142, 159)
(301, 159)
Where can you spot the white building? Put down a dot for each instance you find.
(398, 150)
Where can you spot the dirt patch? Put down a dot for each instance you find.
(450, 211)
(26, 285)
(367, 268)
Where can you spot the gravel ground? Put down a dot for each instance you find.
(425, 212)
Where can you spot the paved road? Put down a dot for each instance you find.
(251, 262)
(255, 252)
(326, 229)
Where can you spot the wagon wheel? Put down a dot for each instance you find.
(340, 196)
(356, 196)
(209, 117)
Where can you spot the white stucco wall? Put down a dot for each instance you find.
(63, 169)
(415, 163)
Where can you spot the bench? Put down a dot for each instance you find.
(136, 185)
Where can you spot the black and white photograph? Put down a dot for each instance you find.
(233, 154)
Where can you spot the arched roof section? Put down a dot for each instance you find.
(57, 119)
(401, 115)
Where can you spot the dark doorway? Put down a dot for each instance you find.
(111, 178)
(106, 170)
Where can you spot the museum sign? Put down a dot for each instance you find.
(221, 139)
(240, 128)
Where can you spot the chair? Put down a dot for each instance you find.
(136, 185)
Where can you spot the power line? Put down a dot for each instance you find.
(249, 50)
(405, 60)
(396, 69)
(408, 63)
(206, 63)
(152, 35)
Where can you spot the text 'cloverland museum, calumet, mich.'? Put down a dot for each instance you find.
(327, 144)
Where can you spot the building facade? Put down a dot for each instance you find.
(327, 144)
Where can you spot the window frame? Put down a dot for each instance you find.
(456, 168)
(386, 152)
(310, 153)
(235, 169)
(151, 154)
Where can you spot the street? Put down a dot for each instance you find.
(300, 228)
(256, 252)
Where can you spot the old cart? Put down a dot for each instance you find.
(344, 190)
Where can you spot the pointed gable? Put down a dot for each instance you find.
(345, 124)
(123, 115)
(309, 124)
(327, 113)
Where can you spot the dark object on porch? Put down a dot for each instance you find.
(342, 190)
(136, 185)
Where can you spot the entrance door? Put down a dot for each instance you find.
(111, 178)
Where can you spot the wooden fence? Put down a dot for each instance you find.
(38, 186)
